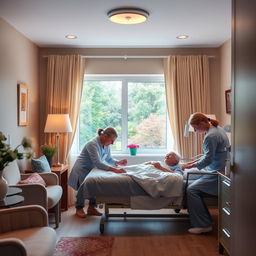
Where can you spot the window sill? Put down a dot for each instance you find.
(139, 158)
(139, 155)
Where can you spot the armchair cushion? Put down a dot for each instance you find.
(40, 164)
(54, 193)
(34, 178)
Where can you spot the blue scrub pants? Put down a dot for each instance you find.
(80, 199)
(198, 212)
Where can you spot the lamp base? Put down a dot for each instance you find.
(57, 165)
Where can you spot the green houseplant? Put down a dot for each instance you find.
(49, 151)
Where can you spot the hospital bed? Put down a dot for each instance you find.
(113, 190)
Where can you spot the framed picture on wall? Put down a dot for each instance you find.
(228, 101)
(23, 104)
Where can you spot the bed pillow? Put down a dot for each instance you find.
(34, 178)
(40, 164)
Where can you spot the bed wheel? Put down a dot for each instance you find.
(177, 210)
(101, 228)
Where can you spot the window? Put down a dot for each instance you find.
(134, 105)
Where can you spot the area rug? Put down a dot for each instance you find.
(84, 246)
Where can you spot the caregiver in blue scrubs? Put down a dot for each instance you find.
(215, 148)
(95, 154)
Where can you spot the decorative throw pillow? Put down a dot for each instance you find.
(35, 178)
(40, 164)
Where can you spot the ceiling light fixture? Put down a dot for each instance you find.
(128, 15)
(182, 37)
(71, 36)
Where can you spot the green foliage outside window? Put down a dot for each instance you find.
(101, 107)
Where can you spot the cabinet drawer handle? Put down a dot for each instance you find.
(228, 203)
(226, 183)
(226, 232)
(226, 210)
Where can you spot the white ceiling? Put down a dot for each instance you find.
(47, 22)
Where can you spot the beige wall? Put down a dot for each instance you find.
(132, 66)
(225, 79)
(18, 64)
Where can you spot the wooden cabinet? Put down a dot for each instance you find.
(62, 172)
(225, 231)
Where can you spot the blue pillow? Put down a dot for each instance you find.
(40, 165)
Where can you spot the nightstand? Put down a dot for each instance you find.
(62, 172)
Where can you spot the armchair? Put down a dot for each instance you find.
(48, 197)
(24, 231)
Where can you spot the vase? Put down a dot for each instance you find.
(133, 151)
(3, 187)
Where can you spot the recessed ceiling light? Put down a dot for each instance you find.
(71, 36)
(182, 37)
(128, 15)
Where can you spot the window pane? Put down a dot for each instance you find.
(147, 115)
(100, 108)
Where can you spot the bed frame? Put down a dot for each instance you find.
(107, 203)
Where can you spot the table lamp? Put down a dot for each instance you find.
(58, 123)
(189, 128)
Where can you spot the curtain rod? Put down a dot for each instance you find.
(127, 57)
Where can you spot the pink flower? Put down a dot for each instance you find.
(133, 146)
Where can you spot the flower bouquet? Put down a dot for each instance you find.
(133, 149)
(8, 155)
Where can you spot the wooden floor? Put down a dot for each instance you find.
(144, 236)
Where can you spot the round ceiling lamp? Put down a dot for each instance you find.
(128, 15)
(182, 37)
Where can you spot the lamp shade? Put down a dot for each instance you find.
(56, 123)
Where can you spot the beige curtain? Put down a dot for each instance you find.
(63, 95)
(187, 91)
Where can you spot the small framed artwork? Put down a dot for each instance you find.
(23, 104)
(228, 101)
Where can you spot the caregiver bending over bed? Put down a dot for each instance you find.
(215, 148)
(95, 154)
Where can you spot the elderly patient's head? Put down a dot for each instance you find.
(172, 158)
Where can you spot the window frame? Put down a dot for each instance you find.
(125, 79)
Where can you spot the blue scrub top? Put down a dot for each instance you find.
(215, 147)
(93, 155)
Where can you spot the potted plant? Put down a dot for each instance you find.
(49, 151)
(8, 155)
(133, 149)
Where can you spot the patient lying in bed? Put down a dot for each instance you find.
(158, 179)
(170, 164)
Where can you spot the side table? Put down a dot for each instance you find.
(13, 191)
(62, 172)
(10, 201)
